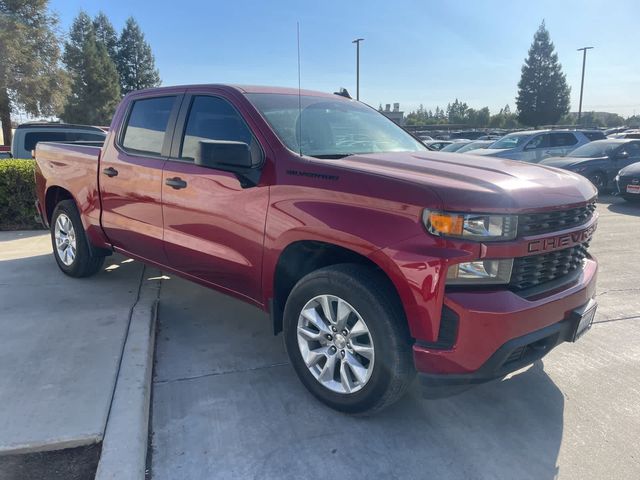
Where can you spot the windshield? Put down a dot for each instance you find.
(454, 147)
(474, 146)
(512, 140)
(331, 128)
(595, 149)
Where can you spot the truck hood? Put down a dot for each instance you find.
(469, 183)
(568, 162)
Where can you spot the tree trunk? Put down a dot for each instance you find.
(5, 116)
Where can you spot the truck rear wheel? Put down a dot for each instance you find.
(347, 338)
(70, 245)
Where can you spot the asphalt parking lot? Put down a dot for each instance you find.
(226, 404)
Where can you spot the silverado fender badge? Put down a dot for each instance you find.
(321, 176)
(561, 241)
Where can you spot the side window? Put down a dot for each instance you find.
(147, 124)
(32, 138)
(563, 139)
(633, 149)
(541, 141)
(85, 137)
(212, 118)
(594, 135)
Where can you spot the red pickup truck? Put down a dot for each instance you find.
(376, 257)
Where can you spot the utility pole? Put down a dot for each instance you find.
(584, 61)
(357, 42)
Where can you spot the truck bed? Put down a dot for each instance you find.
(72, 167)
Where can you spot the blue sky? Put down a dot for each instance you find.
(414, 52)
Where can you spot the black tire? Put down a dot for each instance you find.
(371, 294)
(599, 181)
(84, 264)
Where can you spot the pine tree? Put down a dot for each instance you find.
(30, 77)
(106, 34)
(136, 64)
(543, 93)
(95, 90)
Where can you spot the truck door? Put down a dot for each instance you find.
(131, 177)
(213, 226)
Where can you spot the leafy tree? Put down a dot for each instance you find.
(95, 90)
(106, 34)
(633, 121)
(31, 79)
(543, 93)
(457, 112)
(136, 64)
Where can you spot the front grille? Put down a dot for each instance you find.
(537, 269)
(538, 223)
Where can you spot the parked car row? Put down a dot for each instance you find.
(607, 162)
(599, 161)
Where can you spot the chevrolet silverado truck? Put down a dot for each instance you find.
(377, 258)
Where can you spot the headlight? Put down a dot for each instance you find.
(471, 226)
(480, 272)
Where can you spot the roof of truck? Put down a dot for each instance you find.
(244, 89)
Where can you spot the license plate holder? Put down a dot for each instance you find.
(585, 316)
(633, 189)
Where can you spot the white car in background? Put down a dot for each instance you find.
(535, 145)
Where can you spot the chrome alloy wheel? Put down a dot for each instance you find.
(65, 237)
(335, 344)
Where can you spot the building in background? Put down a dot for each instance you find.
(396, 115)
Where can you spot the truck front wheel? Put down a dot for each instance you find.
(347, 338)
(70, 245)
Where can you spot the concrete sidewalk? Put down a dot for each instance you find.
(61, 345)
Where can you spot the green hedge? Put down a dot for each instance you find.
(17, 195)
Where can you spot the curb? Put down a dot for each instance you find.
(124, 447)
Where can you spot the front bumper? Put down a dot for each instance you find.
(511, 356)
(493, 325)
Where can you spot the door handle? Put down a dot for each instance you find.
(110, 172)
(176, 183)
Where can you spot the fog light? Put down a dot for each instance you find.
(480, 272)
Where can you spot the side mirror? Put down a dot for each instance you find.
(224, 155)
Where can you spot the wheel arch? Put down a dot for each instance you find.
(54, 195)
(302, 257)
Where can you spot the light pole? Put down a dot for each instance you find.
(357, 42)
(584, 60)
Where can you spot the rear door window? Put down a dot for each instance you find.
(594, 135)
(563, 139)
(147, 125)
(541, 141)
(633, 149)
